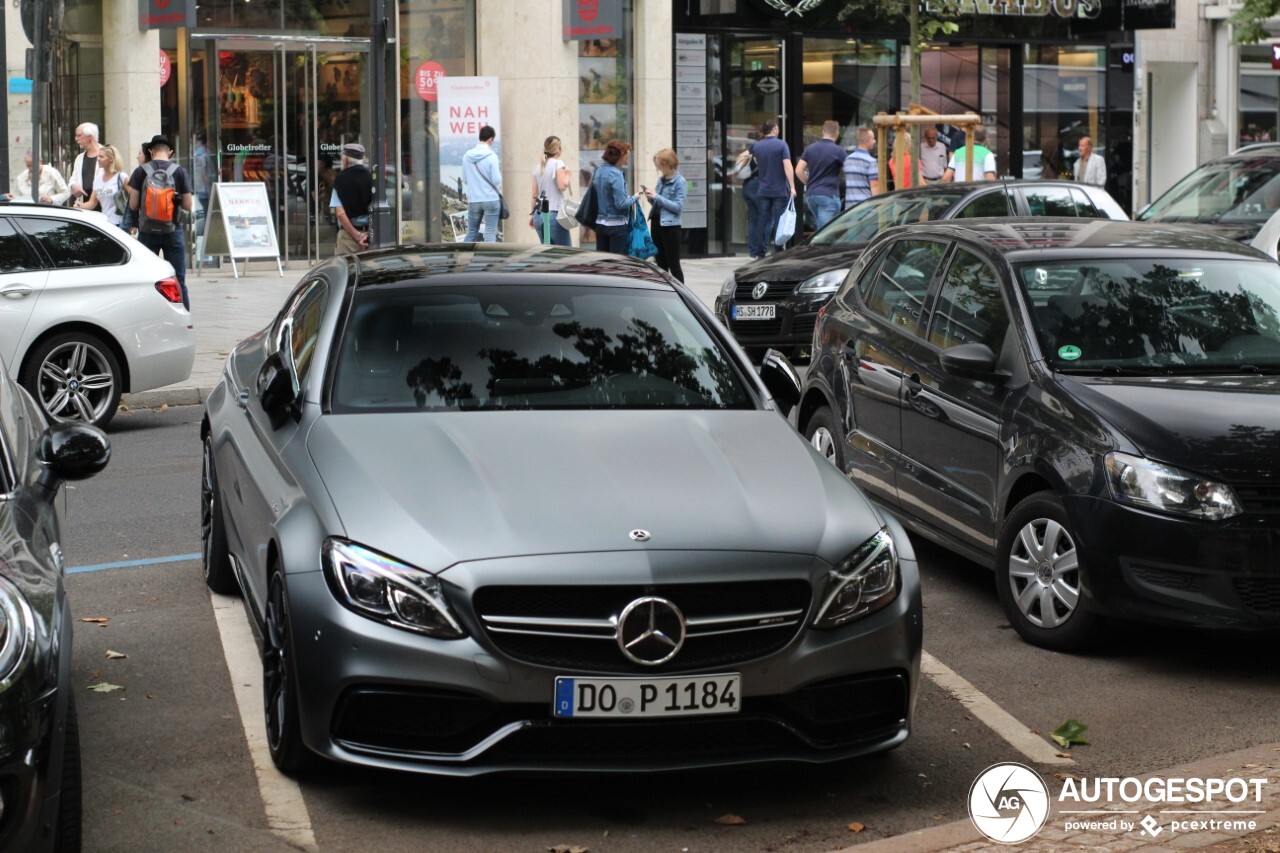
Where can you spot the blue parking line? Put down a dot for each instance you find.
(129, 564)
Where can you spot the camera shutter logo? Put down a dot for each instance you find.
(1008, 803)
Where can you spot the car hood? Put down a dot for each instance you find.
(1222, 426)
(438, 489)
(800, 263)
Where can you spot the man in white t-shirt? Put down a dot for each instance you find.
(984, 161)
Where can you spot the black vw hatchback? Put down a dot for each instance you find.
(1090, 408)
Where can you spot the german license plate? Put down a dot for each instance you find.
(648, 697)
(754, 312)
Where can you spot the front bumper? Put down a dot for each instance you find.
(378, 696)
(790, 332)
(1156, 568)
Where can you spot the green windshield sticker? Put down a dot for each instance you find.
(1069, 353)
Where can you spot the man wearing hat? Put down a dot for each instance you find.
(161, 235)
(351, 201)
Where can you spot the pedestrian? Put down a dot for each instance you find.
(744, 169)
(777, 179)
(667, 200)
(984, 161)
(130, 222)
(901, 152)
(158, 190)
(110, 182)
(933, 156)
(819, 169)
(1050, 161)
(613, 219)
(551, 179)
(861, 171)
(482, 173)
(202, 169)
(84, 172)
(352, 201)
(1090, 169)
(52, 188)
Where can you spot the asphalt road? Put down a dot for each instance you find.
(167, 765)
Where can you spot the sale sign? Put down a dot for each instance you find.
(166, 67)
(425, 80)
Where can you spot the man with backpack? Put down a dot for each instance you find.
(158, 190)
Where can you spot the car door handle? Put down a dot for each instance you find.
(18, 291)
(914, 385)
(242, 399)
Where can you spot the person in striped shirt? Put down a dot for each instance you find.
(861, 172)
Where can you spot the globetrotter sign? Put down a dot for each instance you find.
(592, 19)
(1022, 8)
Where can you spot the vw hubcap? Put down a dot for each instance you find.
(1044, 572)
(824, 443)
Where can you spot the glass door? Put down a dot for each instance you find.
(754, 87)
(284, 110)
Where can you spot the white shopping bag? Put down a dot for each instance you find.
(786, 224)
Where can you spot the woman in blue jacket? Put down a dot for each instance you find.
(613, 220)
(667, 200)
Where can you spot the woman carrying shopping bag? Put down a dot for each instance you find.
(667, 200)
(550, 179)
(613, 230)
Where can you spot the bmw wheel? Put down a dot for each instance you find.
(214, 555)
(279, 687)
(823, 434)
(1040, 577)
(74, 376)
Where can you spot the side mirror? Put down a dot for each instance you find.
(276, 390)
(781, 379)
(971, 361)
(71, 451)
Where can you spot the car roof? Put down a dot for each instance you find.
(973, 186)
(25, 207)
(477, 263)
(1047, 238)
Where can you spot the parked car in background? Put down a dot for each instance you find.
(86, 312)
(500, 508)
(1090, 408)
(1237, 197)
(773, 303)
(40, 746)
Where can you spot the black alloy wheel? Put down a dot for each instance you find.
(218, 574)
(67, 833)
(279, 687)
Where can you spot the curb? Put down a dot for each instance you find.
(174, 396)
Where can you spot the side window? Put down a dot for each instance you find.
(73, 244)
(987, 204)
(1050, 201)
(1084, 205)
(900, 284)
(302, 326)
(970, 308)
(15, 254)
(860, 277)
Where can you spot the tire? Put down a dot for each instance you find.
(1040, 578)
(70, 801)
(74, 376)
(214, 556)
(824, 435)
(280, 688)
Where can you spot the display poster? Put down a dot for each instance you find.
(691, 124)
(466, 104)
(238, 223)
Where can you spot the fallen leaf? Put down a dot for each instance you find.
(163, 407)
(731, 820)
(98, 619)
(966, 746)
(857, 827)
(1065, 776)
(104, 687)
(149, 696)
(566, 848)
(1062, 754)
(115, 655)
(1070, 732)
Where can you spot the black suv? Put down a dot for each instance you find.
(774, 302)
(1090, 408)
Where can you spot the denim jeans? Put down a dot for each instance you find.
(174, 247)
(757, 243)
(823, 207)
(774, 208)
(613, 238)
(559, 234)
(488, 212)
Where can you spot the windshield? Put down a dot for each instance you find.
(1231, 192)
(1157, 316)
(526, 346)
(862, 222)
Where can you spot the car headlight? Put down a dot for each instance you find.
(1150, 485)
(827, 282)
(730, 283)
(17, 633)
(863, 582)
(387, 590)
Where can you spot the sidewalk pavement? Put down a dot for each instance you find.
(226, 310)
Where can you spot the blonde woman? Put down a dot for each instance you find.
(109, 180)
(667, 199)
(551, 178)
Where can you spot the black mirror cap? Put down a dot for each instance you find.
(74, 451)
(780, 377)
(971, 361)
(275, 390)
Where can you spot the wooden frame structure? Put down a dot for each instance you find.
(917, 114)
